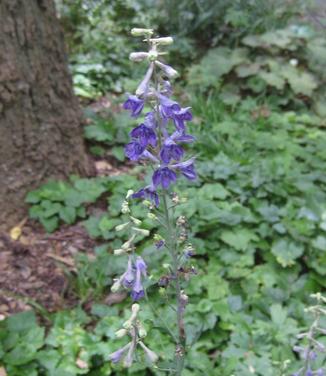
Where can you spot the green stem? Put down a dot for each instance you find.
(172, 246)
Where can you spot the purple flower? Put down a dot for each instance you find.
(320, 372)
(128, 277)
(145, 135)
(148, 192)
(168, 107)
(172, 151)
(309, 372)
(116, 356)
(164, 176)
(137, 291)
(187, 168)
(150, 120)
(180, 117)
(134, 150)
(186, 138)
(141, 265)
(134, 104)
(159, 244)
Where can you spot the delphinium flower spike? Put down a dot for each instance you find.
(159, 141)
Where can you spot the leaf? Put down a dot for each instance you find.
(211, 191)
(50, 224)
(301, 82)
(278, 314)
(273, 79)
(286, 251)
(21, 321)
(68, 214)
(238, 239)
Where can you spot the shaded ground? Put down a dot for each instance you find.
(32, 269)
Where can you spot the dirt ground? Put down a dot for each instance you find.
(33, 269)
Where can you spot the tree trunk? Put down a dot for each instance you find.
(40, 121)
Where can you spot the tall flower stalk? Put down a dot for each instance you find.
(158, 141)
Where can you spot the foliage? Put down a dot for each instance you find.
(64, 201)
(97, 32)
(285, 63)
(258, 216)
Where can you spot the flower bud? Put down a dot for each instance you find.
(147, 203)
(141, 231)
(165, 41)
(138, 56)
(167, 69)
(128, 243)
(136, 220)
(125, 207)
(144, 85)
(150, 355)
(129, 193)
(116, 286)
(121, 333)
(141, 330)
(122, 226)
(120, 251)
(152, 216)
(138, 32)
(135, 308)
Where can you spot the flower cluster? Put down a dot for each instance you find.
(136, 267)
(309, 351)
(160, 136)
(134, 329)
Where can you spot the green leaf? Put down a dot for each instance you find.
(50, 224)
(286, 251)
(211, 191)
(68, 214)
(238, 239)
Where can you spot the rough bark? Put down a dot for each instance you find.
(40, 121)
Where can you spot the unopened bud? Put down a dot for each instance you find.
(120, 333)
(138, 56)
(138, 32)
(136, 221)
(116, 286)
(129, 193)
(122, 226)
(150, 355)
(165, 41)
(127, 324)
(141, 231)
(181, 220)
(125, 207)
(141, 330)
(119, 251)
(147, 203)
(128, 243)
(152, 216)
(135, 308)
(167, 69)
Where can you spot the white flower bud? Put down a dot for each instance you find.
(135, 308)
(119, 251)
(136, 220)
(165, 41)
(167, 69)
(129, 193)
(138, 32)
(141, 231)
(141, 330)
(120, 333)
(150, 355)
(294, 62)
(138, 56)
(128, 243)
(122, 226)
(125, 207)
(152, 216)
(116, 286)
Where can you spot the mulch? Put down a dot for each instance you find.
(33, 269)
